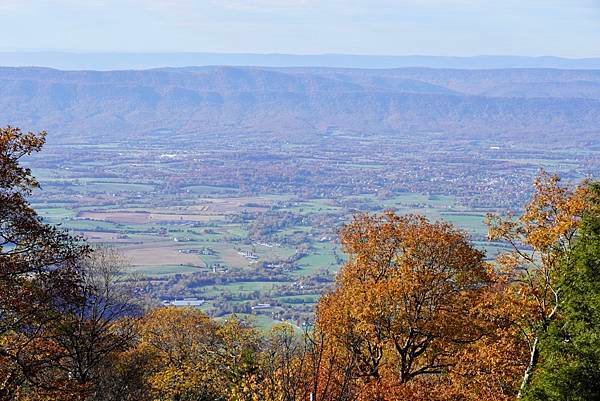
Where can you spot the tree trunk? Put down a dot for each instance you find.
(532, 364)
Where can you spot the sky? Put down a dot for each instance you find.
(567, 28)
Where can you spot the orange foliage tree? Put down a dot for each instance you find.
(405, 306)
(190, 356)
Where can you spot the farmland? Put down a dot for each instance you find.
(252, 222)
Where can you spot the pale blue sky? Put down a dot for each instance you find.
(569, 28)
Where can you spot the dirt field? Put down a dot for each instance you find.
(156, 254)
(127, 217)
(206, 210)
(231, 205)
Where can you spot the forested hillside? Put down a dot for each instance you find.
(530, 104)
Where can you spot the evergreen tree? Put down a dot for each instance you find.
(570, 351)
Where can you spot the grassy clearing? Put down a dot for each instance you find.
(299, 299)
(163, 270)
(262, 322)
(145, 217)
(411, 200)
(314, 207)
(112, 187)
(473, 223)
(56, 214)
(242, 287)
(90, 225)
(322, 257)
(209, 189)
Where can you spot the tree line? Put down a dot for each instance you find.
(416, 313)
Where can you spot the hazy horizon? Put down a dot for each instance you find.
(380, 27)
(292, 53)
(106, 61)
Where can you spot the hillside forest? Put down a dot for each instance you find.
(417, 312)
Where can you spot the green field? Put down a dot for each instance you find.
(214, 238)
(162, 270)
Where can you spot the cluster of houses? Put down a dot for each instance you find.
(248, 255)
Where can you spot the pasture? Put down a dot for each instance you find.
(211, 229)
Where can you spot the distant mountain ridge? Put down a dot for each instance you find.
(129, 61)
(519, 104)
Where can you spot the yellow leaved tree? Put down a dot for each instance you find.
(540, 240)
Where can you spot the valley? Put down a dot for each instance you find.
(250, 225)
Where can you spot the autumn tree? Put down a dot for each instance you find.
(123, 376)
(541, 239)
(297, 366)
(329, 370)
(403, 307)
(193, 357)
(99, 322)
(37, 270)
(569, 367)
(281, 367)
(491, 368)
